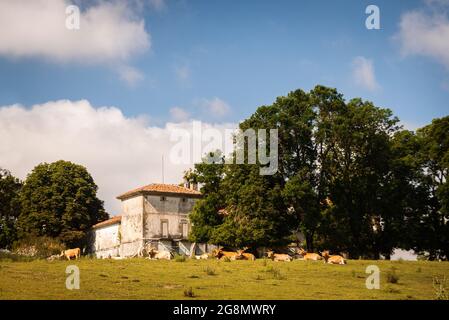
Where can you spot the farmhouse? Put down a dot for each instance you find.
(156, 214)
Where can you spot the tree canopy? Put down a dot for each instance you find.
(349, 178)
(59, 200)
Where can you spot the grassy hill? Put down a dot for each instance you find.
(212, 279)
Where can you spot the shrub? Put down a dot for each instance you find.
(441, 291)
(210, 271)
(38, 247)
(189, 293)
(226, 259)
(392, 277)
(10, 256)
(275, 272)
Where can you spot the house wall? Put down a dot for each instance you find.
(173, 210)
(141, 223)
(131, 226)
(106, 241)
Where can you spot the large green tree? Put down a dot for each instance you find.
(349, 179)
(434, 153)
(59, 200)
(9, 207)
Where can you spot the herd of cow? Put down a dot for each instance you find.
(152, 253)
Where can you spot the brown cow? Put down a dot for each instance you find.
(221, 254)
(278, 256)
(71, 253)
(242, 255)
(332, 259)
(309, 256)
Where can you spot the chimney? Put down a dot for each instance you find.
(194, 186)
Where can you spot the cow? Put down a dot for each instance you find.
(204, 256)
(144, 250)
(332, 259)
(155, 254)
(278, 256)
(309, 256)
(54, 257)
(71, 253)
(221, 254)
(242, 255)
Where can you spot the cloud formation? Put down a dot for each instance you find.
(120, 152)
(215, 107)
(109, 33)
(179, 114)
(363, 73)
(426, 33)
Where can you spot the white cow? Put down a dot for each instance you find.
(155, 254)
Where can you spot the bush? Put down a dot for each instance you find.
(441, 291)
(210, 271)
(189, 293)
(9, 256)
(275, 272)
(38, 247)
(392, 277)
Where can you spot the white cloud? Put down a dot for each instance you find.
(120, 152)
(215, 107)
(130, 75)
(179, 115)
(425, 33)
(109, 31)
(363, 73)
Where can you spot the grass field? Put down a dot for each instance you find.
(212, 279)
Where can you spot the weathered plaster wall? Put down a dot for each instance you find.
(172, 210)
(107, 241)
(132, 222)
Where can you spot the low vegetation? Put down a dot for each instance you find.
(213, 279)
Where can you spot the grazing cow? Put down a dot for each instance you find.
(204, 256)
(71, 253)
(155, 254)
(221, 254)
(279, 256)
(332, 259)
(309, 256)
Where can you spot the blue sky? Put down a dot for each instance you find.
(110, 94)
(246, 53)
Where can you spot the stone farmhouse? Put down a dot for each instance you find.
(156, 214)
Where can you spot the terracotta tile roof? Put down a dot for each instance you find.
(159, 188)
(113, 220)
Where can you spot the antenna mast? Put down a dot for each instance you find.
(163, 169)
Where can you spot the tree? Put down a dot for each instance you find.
(59, 200)
(9, 207)
(435, 165)
(205, 214)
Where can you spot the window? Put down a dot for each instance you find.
(163, 198)
(183, 228)
(164, 228)
(184, 199)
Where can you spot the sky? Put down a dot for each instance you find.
(110, 94)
